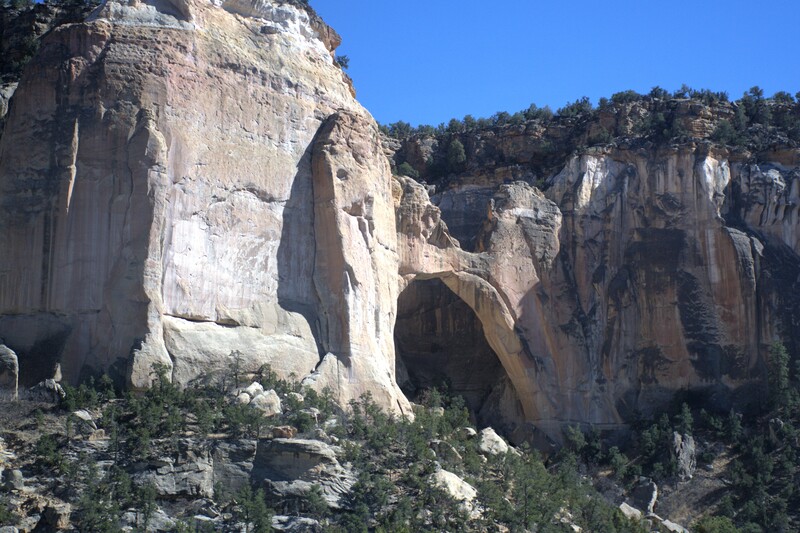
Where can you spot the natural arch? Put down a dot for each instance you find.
(440, 341)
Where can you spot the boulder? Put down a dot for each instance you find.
(491, 443)
(445, 450)
(312, 412)
(672, 527)
(9, 371)
(467, 432)
(630, 512)
(243, 398)
(13, 480)
(284, 432)
(566, 518)
(268, 403)
(295, 524)
(645, 495)
(254, 389)
(47, 391)
(56, 516)
(456, 487)
(96, 435)
(158, 521)
(684, 451)
(85, 420)
(775, 429)
(297, 397)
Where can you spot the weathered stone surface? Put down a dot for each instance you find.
(445, 450)
(492, 443)
(85, 420)
(254, 389)
(159, 521)
(198, 188)
(13, 479)
(98, 434)
(576, 292)
(291, 467)
(233, 463)
(284, 432)
(684, 451)
(673, 527)
(268, 403)
(189, 475)
(456, 487)
(173, 209)
(776, 426)
(467, 432)
(9, 371)
(356, 262)
(645, 495)
(6, 92)
(56, 516)
(47, 391)
(296, 524)
(630, 512)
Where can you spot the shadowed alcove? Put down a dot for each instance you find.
(440, 343)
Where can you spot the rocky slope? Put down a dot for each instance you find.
(198, 459)
(193, 184)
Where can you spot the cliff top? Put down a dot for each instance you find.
(746, 128)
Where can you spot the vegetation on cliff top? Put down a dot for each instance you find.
(656, 112)
(750, 125)
(540, 140)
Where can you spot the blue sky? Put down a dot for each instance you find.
(426, 61)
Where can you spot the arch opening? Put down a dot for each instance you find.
(440, 343)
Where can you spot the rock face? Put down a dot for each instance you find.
(637, 273)
(9, 371)
(685, 453)
(189, 474)
(645, 495)
(200, 183)
(192, 184)
(292, 467)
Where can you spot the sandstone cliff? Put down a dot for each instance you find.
(640, 272)
(193, 184)
(187, 183)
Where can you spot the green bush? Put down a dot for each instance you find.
(251, 509)
(456, 157)
(779, 375)
(578, 108)
(725, 133)
(342, 62)
(405, 169)
(625, 97)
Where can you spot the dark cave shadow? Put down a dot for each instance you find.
(297, 249)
